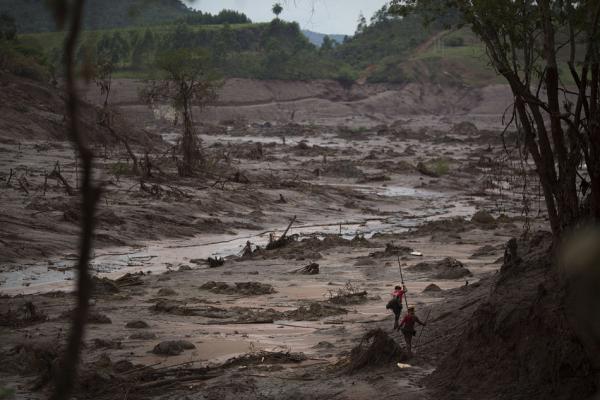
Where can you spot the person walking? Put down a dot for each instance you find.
(395, 304)
(408, 327)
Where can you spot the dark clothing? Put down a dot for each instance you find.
(408, 324)
(395, 304)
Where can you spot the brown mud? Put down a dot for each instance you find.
(267, 324)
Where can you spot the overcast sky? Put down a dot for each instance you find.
(329, 16)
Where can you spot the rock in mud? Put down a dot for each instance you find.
(172, 347)
(106, 344)
(425, 170)
(448, 268)
(171, 307)
(324, 345)
(137, 325)
(432, 288)
(376, 348)
(167, 292)
(483, 217)
(465, 128)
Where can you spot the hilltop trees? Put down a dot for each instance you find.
(187, 80)
(559, 125)
(277, 9)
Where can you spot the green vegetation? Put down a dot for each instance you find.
(18, 57)
(384, 49)
(34, 16)
(275, 50)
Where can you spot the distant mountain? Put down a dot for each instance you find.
(33, 15)
(316, 38)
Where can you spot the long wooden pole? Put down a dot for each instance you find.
(402, 279)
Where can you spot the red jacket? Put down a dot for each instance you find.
(409, 321)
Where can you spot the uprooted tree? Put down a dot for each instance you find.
(188, 80)
(558, 122)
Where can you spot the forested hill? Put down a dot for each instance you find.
(33, 15)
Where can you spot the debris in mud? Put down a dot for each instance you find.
(172, 347)
(310, 269)
(92, 318)
(448, 268)
(349, 294)
(39, 358)
(455, 225)
(107, 344)
(314, 311)
(343, 169)
(25, 314)
(103, 286)
(432, 288)
(376, 349)
(137, 325)
(265, 357)
(215, 262)
(283, 240)
(392, 250)
(242, 288)
(130, 280)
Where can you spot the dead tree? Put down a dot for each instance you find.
(106, 116)
(71, 13)
(188, 80)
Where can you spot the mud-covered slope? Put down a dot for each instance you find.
(33, 110)
(519, 344)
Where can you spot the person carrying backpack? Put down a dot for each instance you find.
(395, 304)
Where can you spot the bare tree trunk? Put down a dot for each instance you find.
(65, 381)
(189, 139)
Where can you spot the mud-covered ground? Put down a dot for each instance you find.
(366, 196)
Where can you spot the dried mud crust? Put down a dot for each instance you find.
(519, 342)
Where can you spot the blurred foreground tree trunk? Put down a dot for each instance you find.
(69, 15)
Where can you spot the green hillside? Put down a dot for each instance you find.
(276, 50)
(33, 15)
